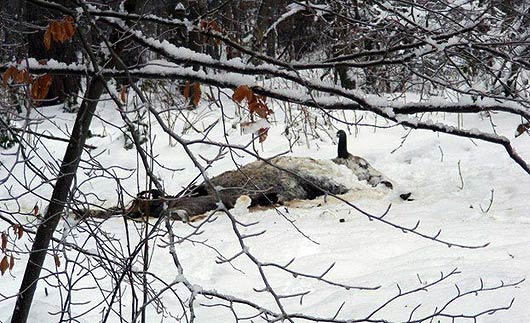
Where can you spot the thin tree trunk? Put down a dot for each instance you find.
(265, 17)
(60, 195)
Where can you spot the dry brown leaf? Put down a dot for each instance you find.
(35, 209)
(259, 108)
(57, 30)
(9, 74)
(4, 265)
(253, 106)
(242, 92)
(18, 77)
(57, 260)
(256, 103)
(19, 231)
(263, 133)
(210, 25)
(266, 111)
(123, 94)
(522, 128)
(11, 262)
(214, 26)
(47, 39)
(196, 93)
(4, 241)
(69, 27)
(40, 87)
(22, 76)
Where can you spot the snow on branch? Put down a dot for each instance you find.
(292, 10)
(337, 98)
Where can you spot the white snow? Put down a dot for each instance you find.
(255, 126)
(242, 204)
(451, 180)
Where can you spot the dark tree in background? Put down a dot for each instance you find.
(13, 45)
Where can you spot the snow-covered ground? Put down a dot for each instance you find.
(451, 180)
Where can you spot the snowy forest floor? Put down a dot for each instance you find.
(451, 180)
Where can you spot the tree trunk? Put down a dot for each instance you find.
(196, 9)
(59, 197)
(266, 16)
(345, 80)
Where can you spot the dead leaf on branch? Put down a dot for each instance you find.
(56, 31)
(23, 76)
(256, 103)
(210, 25)
(192, 91)
(242, 92)
(123, 94)
(259, 108)
(16, 76)
(40, 87)
(19, 230)
(522, 128)
(187, 90)
(4, 265)
(57, 260)
(47, 39)
(196, 93)
(11, 262)
(69, 27)
(4, 241)
(8, 74)
(263, 133)
(35, 210)
(59, 31)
